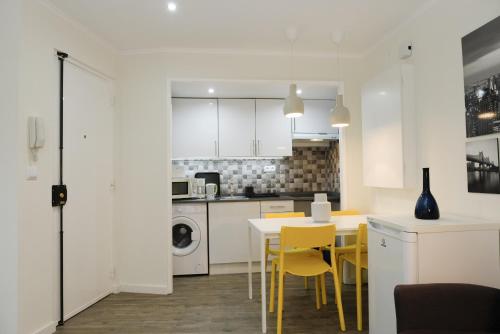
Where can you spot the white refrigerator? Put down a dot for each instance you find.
(405, 250)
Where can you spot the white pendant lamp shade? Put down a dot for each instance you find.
(340, 114)
(294, 106)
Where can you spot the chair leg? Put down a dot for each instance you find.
(273, 287)
(338, 297)
(317, 285)
(359, 304)
(340, 268)
(306, 283)
(279, 326)
(323, 289)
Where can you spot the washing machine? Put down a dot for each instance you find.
(190, 239)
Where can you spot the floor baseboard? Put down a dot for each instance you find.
(47, 329)
(143, 288)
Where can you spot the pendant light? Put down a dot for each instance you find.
(341, 117)
(294, 106)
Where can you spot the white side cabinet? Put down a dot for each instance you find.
(228, 231)
(273, 129)
(389, 139)
(236, 127)
(194, 128)
(315, 121)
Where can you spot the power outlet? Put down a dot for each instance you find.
(269, 169)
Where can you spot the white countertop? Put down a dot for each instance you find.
(447, 223)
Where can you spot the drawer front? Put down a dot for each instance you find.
(275, 206)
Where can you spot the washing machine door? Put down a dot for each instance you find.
(185, 236)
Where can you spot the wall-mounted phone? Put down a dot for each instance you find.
(36, 135)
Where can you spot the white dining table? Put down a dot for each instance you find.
(271, 228)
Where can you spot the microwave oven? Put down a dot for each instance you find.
(182, 187)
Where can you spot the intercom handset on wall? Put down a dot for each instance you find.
(36, 134)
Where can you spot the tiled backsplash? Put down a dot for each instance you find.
(309, 169)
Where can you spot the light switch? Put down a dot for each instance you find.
(269, 169)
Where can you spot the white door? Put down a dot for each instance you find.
(392, 260)
(194, 128)
(88, 173)
(237, 127)
(316, 118)
(273, 129)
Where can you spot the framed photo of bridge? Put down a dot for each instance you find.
(481, 63)
(483, 175)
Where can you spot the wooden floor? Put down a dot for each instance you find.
(214, 304)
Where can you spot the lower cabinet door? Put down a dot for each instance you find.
(228, 231)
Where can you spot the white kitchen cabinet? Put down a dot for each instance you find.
(275, 207)
(388, 129)
(315, 121)
(194, 128)
(237, 127)
(228, 231)
(273, 129)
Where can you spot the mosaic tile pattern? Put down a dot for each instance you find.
(309, 169)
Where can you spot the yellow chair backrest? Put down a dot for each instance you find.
(284, 215)
(362, 238)
(307, 237)
(345, 213)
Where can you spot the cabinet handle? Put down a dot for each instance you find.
(258, 146)
(215, 146)
(253, 148)
(276, 206)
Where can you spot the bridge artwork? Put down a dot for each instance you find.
(479, 162)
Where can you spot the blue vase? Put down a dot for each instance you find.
(426, 207)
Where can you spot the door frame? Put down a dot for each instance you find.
(342, 152)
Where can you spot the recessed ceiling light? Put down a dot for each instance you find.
(299, 91)
(211, 91)
(316, 139)
(171, 6)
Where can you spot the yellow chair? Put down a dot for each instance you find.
(307, 264)
(359, 259)
(352, 212)
(349, 248)
(276, 252)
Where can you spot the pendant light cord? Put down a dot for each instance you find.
(338, 62)
(292, 69)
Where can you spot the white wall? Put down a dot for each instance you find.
(9, 29)
(143, 217)
(42, 31)
(437, 57)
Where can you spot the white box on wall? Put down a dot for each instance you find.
(388, 129)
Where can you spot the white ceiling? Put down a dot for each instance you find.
(251, 89)
(243, 25)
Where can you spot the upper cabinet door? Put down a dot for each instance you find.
(194, 128)
(273, 129)
(237, 127)
(388, 131)
(316, 118)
